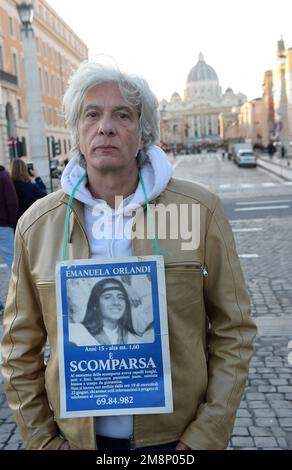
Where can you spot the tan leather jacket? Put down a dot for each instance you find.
(209, 368)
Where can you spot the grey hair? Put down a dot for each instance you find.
(133, 88)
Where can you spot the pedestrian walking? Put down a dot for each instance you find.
(283, 151)
(8, 217)
(113, 119)
(27, 191)
(271, 150)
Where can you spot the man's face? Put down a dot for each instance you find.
(108, 130)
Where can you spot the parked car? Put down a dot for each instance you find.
(245, 158)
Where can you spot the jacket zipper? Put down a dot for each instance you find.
(199, 267)
(94, 432)
(132, 442)
(205, 271)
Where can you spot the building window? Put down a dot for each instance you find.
(47, 83)
(11, 28)
(49, 116)
(65, 147)
(19, 108)
(55, 118)
(41, 78)
(58, 87)
(1, 58)
(53, 85)
(14, 64)
(24, 151)
(22, 70)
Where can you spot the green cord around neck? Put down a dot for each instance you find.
(149, 215)
(67, 220)
(150, 220)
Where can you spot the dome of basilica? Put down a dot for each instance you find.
(202, 72)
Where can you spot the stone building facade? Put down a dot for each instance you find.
(59, 52)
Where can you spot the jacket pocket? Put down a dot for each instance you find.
(187, 267)
(184, 281)
(47, 295)
(184, 288)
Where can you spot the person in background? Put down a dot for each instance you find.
(27, 191)
(8, 217)
(271, 149)
(283, 151)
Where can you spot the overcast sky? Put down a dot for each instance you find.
(162, 39)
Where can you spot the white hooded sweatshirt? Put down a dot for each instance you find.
(109, 234)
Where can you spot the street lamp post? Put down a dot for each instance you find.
(36, 123)
(283, 109)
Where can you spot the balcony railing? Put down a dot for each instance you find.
(7, 77)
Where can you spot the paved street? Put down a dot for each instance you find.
(259, 207)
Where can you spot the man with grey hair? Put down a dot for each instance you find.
(113, 119)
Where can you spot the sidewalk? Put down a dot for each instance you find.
(276, 165)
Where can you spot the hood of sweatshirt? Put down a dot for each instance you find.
(156, 173)
(105, 226)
